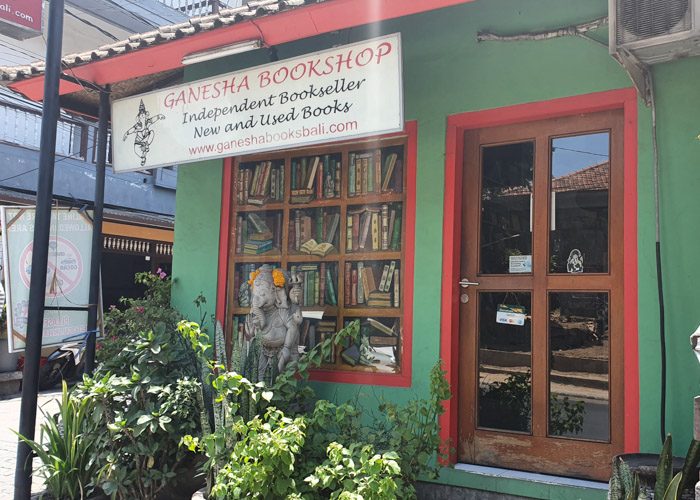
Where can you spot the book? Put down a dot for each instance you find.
(360, 286)
(312, 173)
(347, 282)
(351, 355)
(259, 224)
(390, 276)
(368, 282)
(351, 174)
(353, 292)
(385, 227)
(379, 299)
(381, 327)
(375, 231)
(396, 234)
(379, 341)
(348, 240)
(312, 247)
(382, 281)
(332, 228)
(397, 291)
(330, 288)
(365, 223)
(355, 230)
(322, 288)
(257, 247)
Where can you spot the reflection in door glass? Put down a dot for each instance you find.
(579, 196)
(579, 402)
(506, 194)
(505, 348)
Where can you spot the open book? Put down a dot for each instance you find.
(312, 247)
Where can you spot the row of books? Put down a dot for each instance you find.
(318, 286)
(260, 183)
(315, 177)
(373, 228)
(367, 174)
(314, 231)
(372, 284)
(254, 236)
(313, 332)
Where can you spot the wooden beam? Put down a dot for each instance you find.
(140, 232)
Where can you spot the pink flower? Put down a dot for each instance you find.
(139, 309)
(160, 273)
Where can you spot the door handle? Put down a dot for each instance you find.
(464, 283)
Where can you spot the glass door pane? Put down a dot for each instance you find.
(506, 209)
(580, 182)
(505, 361)
(579, 372)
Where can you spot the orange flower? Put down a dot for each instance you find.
(278, 278)
(253, 275)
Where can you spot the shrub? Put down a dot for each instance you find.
(138, 315)
(144, 406)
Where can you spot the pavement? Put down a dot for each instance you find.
(9, 420)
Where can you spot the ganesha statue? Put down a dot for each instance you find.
(273, 323)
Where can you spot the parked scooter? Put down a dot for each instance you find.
(65, 363)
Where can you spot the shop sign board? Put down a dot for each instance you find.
(341, 93)
(67, 279)
(20, 18)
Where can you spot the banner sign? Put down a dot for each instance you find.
(67, 278)
(25, 14)
(341, 93)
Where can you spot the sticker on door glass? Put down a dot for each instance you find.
(520, 264)
(574, 264)
(511, 315)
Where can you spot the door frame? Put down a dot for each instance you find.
(457, 125)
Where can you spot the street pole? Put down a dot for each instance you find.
(96, 254)
(40, 251)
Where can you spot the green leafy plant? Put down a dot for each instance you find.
(356, 472)
(321, 448)
(66, 453)
(136, 315)
(144, 406)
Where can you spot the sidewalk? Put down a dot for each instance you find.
(9, 420)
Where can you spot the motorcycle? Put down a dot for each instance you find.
(65, 363)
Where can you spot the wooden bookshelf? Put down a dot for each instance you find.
(291, 209)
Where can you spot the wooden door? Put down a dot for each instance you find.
(541, 327)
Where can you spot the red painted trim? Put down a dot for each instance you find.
(282, 27)
(449, 338)
(402, 379)
(631, 277)
(224, 239)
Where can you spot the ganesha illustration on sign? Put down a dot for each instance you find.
(144, 133)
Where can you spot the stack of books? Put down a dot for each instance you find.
(373, 228)
(254, 235)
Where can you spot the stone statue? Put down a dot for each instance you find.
(272, 325)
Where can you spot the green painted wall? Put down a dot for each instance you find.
(445, 72)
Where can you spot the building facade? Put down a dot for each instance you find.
(527, 245)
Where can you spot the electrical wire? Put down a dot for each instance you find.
(92, 25)
(18, 175)
(554, 148)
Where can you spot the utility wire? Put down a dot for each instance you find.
(92, 25)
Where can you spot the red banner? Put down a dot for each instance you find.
(24, 13)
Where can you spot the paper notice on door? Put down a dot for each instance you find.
(511, 315)
(520, 264)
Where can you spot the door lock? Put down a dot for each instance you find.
(465, 283)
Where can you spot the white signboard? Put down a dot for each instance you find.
(341, 93)
(67, 278)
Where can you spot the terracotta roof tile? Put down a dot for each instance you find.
(164, 34)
